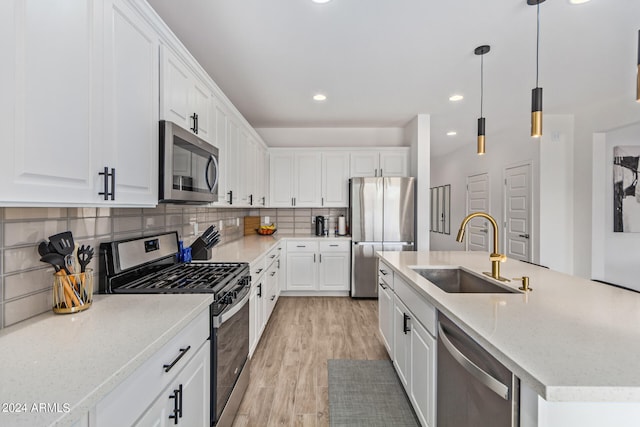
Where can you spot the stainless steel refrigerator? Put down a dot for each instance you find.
(382, 217)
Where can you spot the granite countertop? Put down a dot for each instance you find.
(250, 248)
(570, 339)
(72, 361)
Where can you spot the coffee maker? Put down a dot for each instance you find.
(321, 225)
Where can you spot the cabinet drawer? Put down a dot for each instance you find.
(421, 308)
(335, 246)
(257, 268)
(302, 246)
(385, 274)
(272, 255)
(127, 401)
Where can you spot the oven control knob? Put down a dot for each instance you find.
(228, 299)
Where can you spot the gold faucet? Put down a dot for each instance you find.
(495, 257)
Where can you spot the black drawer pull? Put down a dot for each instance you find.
(183, 351)
(259, 271)
(384, 272)
(273, 273)
(334, 246)
(272, 256)
(405, 326)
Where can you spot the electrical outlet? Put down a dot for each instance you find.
(267, 220)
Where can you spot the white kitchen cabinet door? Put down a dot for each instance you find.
(250, 164)
(307, 183)
(186, 397)
(385, 316)
(335, 179)
(333, 271)
(272, 291)
(256, 313)
(131, 104)
(364, 163)
(220, 141)
(184, 99)
(422, 382)
(233, 162)
(261, 177)
(51, 86)
(401, 341)
(394, 163)
(281, 172)
(301, 271)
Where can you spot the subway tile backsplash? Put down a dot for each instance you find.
(25, 282)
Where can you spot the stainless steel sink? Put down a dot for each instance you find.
(455, 280)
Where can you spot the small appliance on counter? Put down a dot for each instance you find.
(201, 247)
(321, 225)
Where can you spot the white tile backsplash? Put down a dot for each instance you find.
(25, 282)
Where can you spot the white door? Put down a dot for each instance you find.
(478, 229)
(517, 203)
(50, 97)
(307, 184)
(385, 316)
(335, 179)
(131, 104)
(301, 271)
(393, 164)
(233, 161)
(201, 102)
(223, 152)
(422, 382)
(281, 173)
(401, 341)
(333, 271)
(364, 163)
(176, 83)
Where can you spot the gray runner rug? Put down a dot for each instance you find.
(367, 393)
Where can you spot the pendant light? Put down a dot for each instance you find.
(536, 94)
(638, 77)
(481, 50)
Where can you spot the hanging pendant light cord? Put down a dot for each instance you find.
(537, 43)
(481, 82)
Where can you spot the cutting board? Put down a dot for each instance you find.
(251, 223)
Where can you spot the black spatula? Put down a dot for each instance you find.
(62, 243)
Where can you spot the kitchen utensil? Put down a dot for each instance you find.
(85, 254)
(62, 243)
(43, 248)
(57, 261)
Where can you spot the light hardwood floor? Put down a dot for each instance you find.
(288, 385)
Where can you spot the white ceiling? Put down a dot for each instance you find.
(381, 62)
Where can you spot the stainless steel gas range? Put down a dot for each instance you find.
(150, 265)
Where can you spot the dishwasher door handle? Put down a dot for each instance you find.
(486, 379)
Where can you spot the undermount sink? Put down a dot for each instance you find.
(455, 280)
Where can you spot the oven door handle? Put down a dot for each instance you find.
(228, 314)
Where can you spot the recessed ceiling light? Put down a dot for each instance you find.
(578, 1)
(452, 133)
(321, 1)
(319, 97)
(456, 98)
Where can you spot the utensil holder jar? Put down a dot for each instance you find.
(72, 292)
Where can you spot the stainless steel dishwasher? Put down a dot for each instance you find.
(474, 389)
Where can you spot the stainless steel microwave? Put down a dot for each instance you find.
(189, 168)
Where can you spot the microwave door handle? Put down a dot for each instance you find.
(213, 160)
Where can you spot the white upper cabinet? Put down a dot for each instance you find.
(131, 104)
(295, 178)
(79, 85)
(184, 98)
(306, 180)
(335, 179)
(220, 125)
(387, 162)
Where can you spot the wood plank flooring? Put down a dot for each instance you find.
(288, 385)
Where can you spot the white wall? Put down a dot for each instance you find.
(332, 137)
(417, 134)
(555, 246)
(616, 256)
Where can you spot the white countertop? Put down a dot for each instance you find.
(570, 339)
(252, 247)
(76, 359)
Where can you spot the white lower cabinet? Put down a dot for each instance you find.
(314, 265)
(385, 315)
(265, 290)
(143, 398)
(186, 400)
(413, 348)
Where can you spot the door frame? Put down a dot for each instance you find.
(466, 200)
(532, 229)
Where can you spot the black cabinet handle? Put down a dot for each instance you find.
(258, 271)
(260, 290)
(230, 194)
(106, 193)
(272, 256)
(314, 257)
(382, 285)
(250, 199)
(334, 246)
(183, 351)
(301, 246)
(273, 273)
(264, 200)
(197, 124)
(384, 272)
(273, 297)
(405, 326)
(320, 257)
(278, 263)
(194, 129)
(177, 404)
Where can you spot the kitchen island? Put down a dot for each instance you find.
(571, 341)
